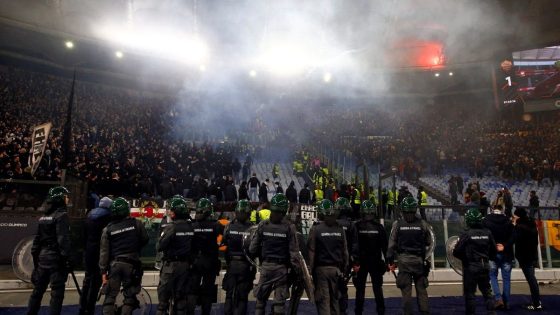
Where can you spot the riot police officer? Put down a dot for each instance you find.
(206, 264)
(328, 257)
(119, 259)
(240, 274)
(372, 248)
(276, 245)
(97, 219)
(175, 242)
(163, 223)
(476, 247)
(410, 238)
(344, 209)
(50, 252)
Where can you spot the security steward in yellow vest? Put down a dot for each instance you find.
(356, 201)
(318, 194)
(423, 199)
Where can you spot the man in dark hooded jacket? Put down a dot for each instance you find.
(97, 219)
(526, 243)
(291, 193)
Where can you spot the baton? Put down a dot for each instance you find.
(76, 282)
(101, 290)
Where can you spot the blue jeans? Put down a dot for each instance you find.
(505, 266)
(253, 194)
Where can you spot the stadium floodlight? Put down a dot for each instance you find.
(69, 44)
(327, 77)
(436, 74)
(161, 42)
(287, 58)
(253, 73)
(450, 74)
(119, 54)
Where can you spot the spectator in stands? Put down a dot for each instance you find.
(243, 193)
(230, 193)
(484, 203)
(526, 243)
(460, 184)
(499, 201)
(235, 168)
(291, 193)
(502, 231)
(556, 172)
(254, 185)
(508, 202)
(453, 191)
(305, 194)
(534, 204)
(245, 171)
(279, 189)
(263, 193)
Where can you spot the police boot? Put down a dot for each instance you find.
(129, 305)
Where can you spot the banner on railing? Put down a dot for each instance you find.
(39, 142)
(147, 210)
(308, 217)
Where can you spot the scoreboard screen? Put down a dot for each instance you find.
(507, 83)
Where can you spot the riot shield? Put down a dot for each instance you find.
(307, 279)
(22, 261)
(247, 242)
(430, 249)
(454, 262)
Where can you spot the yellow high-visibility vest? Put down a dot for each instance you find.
(318, 194)
(357, 198)
(424, 200)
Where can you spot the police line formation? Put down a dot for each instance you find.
(337, 250)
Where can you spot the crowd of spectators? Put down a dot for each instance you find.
(127, 142)
(439, 139)
(123, 141)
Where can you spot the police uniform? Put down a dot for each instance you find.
(372, 249)
(50, 251)
(476, 247)
(121, 242)
(206, 265)
(240, 274)
(351, 243)
(277, 247)
(328, 258)
(175, 243)
(159, 254)
(409, 240)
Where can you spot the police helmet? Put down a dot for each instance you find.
(279, 203)
(120, 207)
(408, 204)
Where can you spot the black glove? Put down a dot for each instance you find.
(35, 276)
(427, 267)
